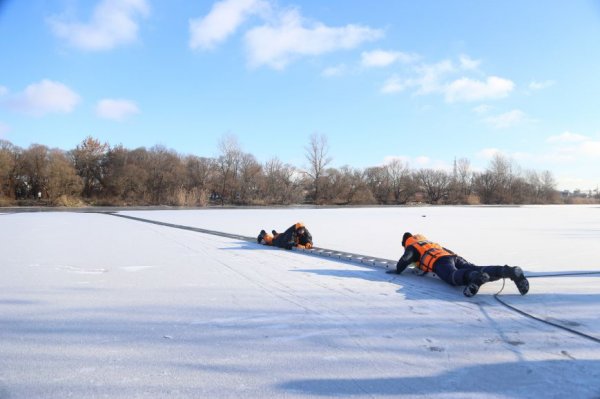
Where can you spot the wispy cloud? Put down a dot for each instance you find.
(489, 153)
(290, 37)
(280, 37)
(507, 119)
(482, 109)
(43, 98)
(334, 71)
(418, 162)
(534, 85)
(393, 85)
(567, 137)
(576, 145)
(3, 90)
(466, 89)
(440, 78)
(382, 58)
(222, 21)
(113, 23)
(468, 63)
(116, 109)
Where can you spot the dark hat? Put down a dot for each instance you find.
(405, 237)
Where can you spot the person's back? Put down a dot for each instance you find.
(295, 236)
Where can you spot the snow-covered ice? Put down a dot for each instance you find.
(92, 305)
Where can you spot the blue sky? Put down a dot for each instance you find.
(425, 81)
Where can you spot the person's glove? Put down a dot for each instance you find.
(301, 246)
(308, 245)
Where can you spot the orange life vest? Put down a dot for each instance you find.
(268, 239)
(429, 251)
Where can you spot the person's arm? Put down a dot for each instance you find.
(410, 255)
(305, 240)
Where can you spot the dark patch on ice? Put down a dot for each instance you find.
(567, 354)
(16, 302)
(436, 349)
(515, 342)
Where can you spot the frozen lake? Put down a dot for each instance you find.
(93, 305)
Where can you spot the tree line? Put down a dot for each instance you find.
(97, 173)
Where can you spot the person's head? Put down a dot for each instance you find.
(300, 228)
(405, 237)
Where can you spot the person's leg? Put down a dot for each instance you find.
(474, 276)
(515, 273)
(446, 270)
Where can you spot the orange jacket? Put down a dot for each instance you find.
(429, 251)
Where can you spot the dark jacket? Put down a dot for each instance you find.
(290, 238)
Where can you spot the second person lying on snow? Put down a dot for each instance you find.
(296, 236)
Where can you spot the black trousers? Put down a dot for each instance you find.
(455, 270)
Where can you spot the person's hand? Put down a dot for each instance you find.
(308, 245)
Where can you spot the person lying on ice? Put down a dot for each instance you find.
(453, 269)
(296, 236)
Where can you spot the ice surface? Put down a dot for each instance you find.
(93, 305)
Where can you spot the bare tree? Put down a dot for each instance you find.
(88, 158)
(9, 155)
(485, 186)
(249, 180)
(280, 184)
(461, 184)
(377, 180)
(164, 175)
(227, 168)
(434, 183)
(400, 181)
(318, 159)
(63, 181)
(33, 172)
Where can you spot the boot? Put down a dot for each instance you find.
(274, 233)
(476, 280)
(260, 237)
(520, 280)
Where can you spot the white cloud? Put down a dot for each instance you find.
(466, 89)
(489, 153)
(116, 109)
(45, 97)
(382, 58)
(290, 37)
(567, 137)
(482, 109)
(431, 76)
(467, 63)
(114, 22)
(393, 85)
(541, 85)
(338, 70)
(419, 162)
(507, 119)
(591, 148)
(222, 21)
(437, 78)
